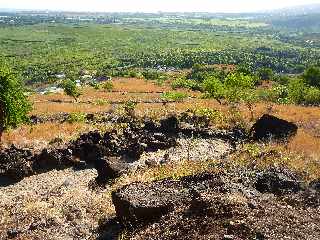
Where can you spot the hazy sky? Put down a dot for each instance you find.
(153, 5)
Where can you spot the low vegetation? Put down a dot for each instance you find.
(161, 97)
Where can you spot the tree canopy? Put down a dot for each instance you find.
(14, 105)
(312, 76)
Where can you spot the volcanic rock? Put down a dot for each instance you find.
(15, 163)
(140, 203)
(110, 168)
(277, 182)
(315, 184)
(169, 125)
(50, 159)
(270, 127)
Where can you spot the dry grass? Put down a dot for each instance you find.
(50, 108)
(39, 135)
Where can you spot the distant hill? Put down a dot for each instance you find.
(298, 10)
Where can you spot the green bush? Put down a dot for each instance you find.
(282, 79)
(296, 91)
(312, 76)
(76, 117)
(239, 81)
(214, 88)
(14, 105)
(71, 89)
(101, 102)
(108, 86)
(185, 83)
(200, 72)
(211, 114)
(277, 94)
(173, 96)
(265, 74)
(312, 96)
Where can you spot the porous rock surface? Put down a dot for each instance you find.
(219, 206)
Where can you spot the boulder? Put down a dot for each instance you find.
(141, 203)
(169, 125)
(50, 159)
(15, 163)
(270, 127)
(277, 182)
(110, 168)
(315, 185)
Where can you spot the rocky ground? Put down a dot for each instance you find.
(70, 191)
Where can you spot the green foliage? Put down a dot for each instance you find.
(239, 81)
(119, 50)
(244, 68)
(213, 115)
(173, 96)
(234, 88)
(312, 76)
(282, 79)
(108, 86)
(277, 94)
(101, 102)
(71, 89)
(296, 91)
(185, 83)
(129, 107)
(76, 117)
(265, 74)
(14, 105)
(312, 96)
(199, 73)
(214, 88)
(151, 74)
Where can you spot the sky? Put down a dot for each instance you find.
(153, 5)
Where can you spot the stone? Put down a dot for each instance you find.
(277, 182)
(140, 203)
(169, 125)
(110, 168)
(270, 127)
(315, 184)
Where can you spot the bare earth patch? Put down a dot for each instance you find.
(53, 205)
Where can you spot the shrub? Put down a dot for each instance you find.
(214, 88)
(108, 86)
(282, 79)
(71, 89)
(129, 107)
(312, 96)
(277, 94)
(212, 115)
(173, 96)
(296, 91)
(76, 117)
(199, 73)
(312, 76)
(185, 83)
(239, 80)
(14, 105)
(265, 74)
(101, 102)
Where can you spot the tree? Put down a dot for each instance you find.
(265, 74)
(312, 76)
(297, 90)
(71, 89)
(14, 105)
(214, 88)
